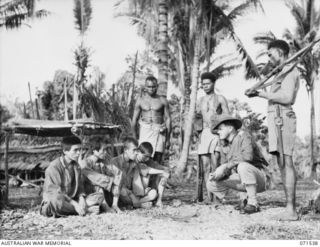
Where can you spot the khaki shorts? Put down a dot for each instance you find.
(288, 130)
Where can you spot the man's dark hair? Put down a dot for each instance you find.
(210, 76)
(127, 140)
(151, 78)
(69, 141)
(280, 44)
(146, 148)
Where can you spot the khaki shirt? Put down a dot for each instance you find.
(243, 149)
(284, 90)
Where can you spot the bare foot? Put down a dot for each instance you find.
(116, 209)
(105, 208)
(94, 210)
(146, 205)
(287, 216)
(159, 204)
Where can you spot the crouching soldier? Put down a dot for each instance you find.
(102, 177)
(243, 170)
(63, 190)
(150, 178)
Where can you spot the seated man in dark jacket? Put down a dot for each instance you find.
(242, 167)
(63, 190)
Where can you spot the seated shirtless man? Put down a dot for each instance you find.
(149, 176)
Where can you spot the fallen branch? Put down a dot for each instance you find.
(316, 182)
(24, 181)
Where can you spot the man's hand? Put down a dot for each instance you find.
(252, 93)
(82, 161)
(166, 174)
(79, 208)
(220, 172)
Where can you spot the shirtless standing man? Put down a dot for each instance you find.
(208, 106)
(155, 121)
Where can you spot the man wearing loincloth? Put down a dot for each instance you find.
(63, 189)
(282, 95)
(208, 107)
(155, 121)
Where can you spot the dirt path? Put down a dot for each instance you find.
(180, 219)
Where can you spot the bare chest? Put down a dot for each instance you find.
(152, 105)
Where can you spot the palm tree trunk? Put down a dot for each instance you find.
(187, 88)
(312, 131)
(130, 105)
(188, 123)
(209, 42)
(163, 47)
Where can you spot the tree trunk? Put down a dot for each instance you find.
(188, 123)
(130, 105)
(312, 131)
(163, 48)
(187, 89)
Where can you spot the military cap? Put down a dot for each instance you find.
(219, 119)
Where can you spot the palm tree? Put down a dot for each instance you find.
(13, 13)
(163, 47)
(82, 13)
(307, 28)
(208, 18)
(152, 20)
(189, 19)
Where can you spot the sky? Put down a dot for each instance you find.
(33, 54)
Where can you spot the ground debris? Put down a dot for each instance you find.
(197, 221)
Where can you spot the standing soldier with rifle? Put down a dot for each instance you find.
(282, 120)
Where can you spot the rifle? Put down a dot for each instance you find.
(262, 84)
(299, 56)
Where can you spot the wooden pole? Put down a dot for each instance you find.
(33, 115)
(6, 167)
(39, 104)
(24, 110)
(65, 100)
(37, 109)
(75, 99)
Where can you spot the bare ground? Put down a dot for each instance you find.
(179, 219)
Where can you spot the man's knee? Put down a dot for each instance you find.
(152, 194)
(53, 205)
(244, 167)
(211, 185)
